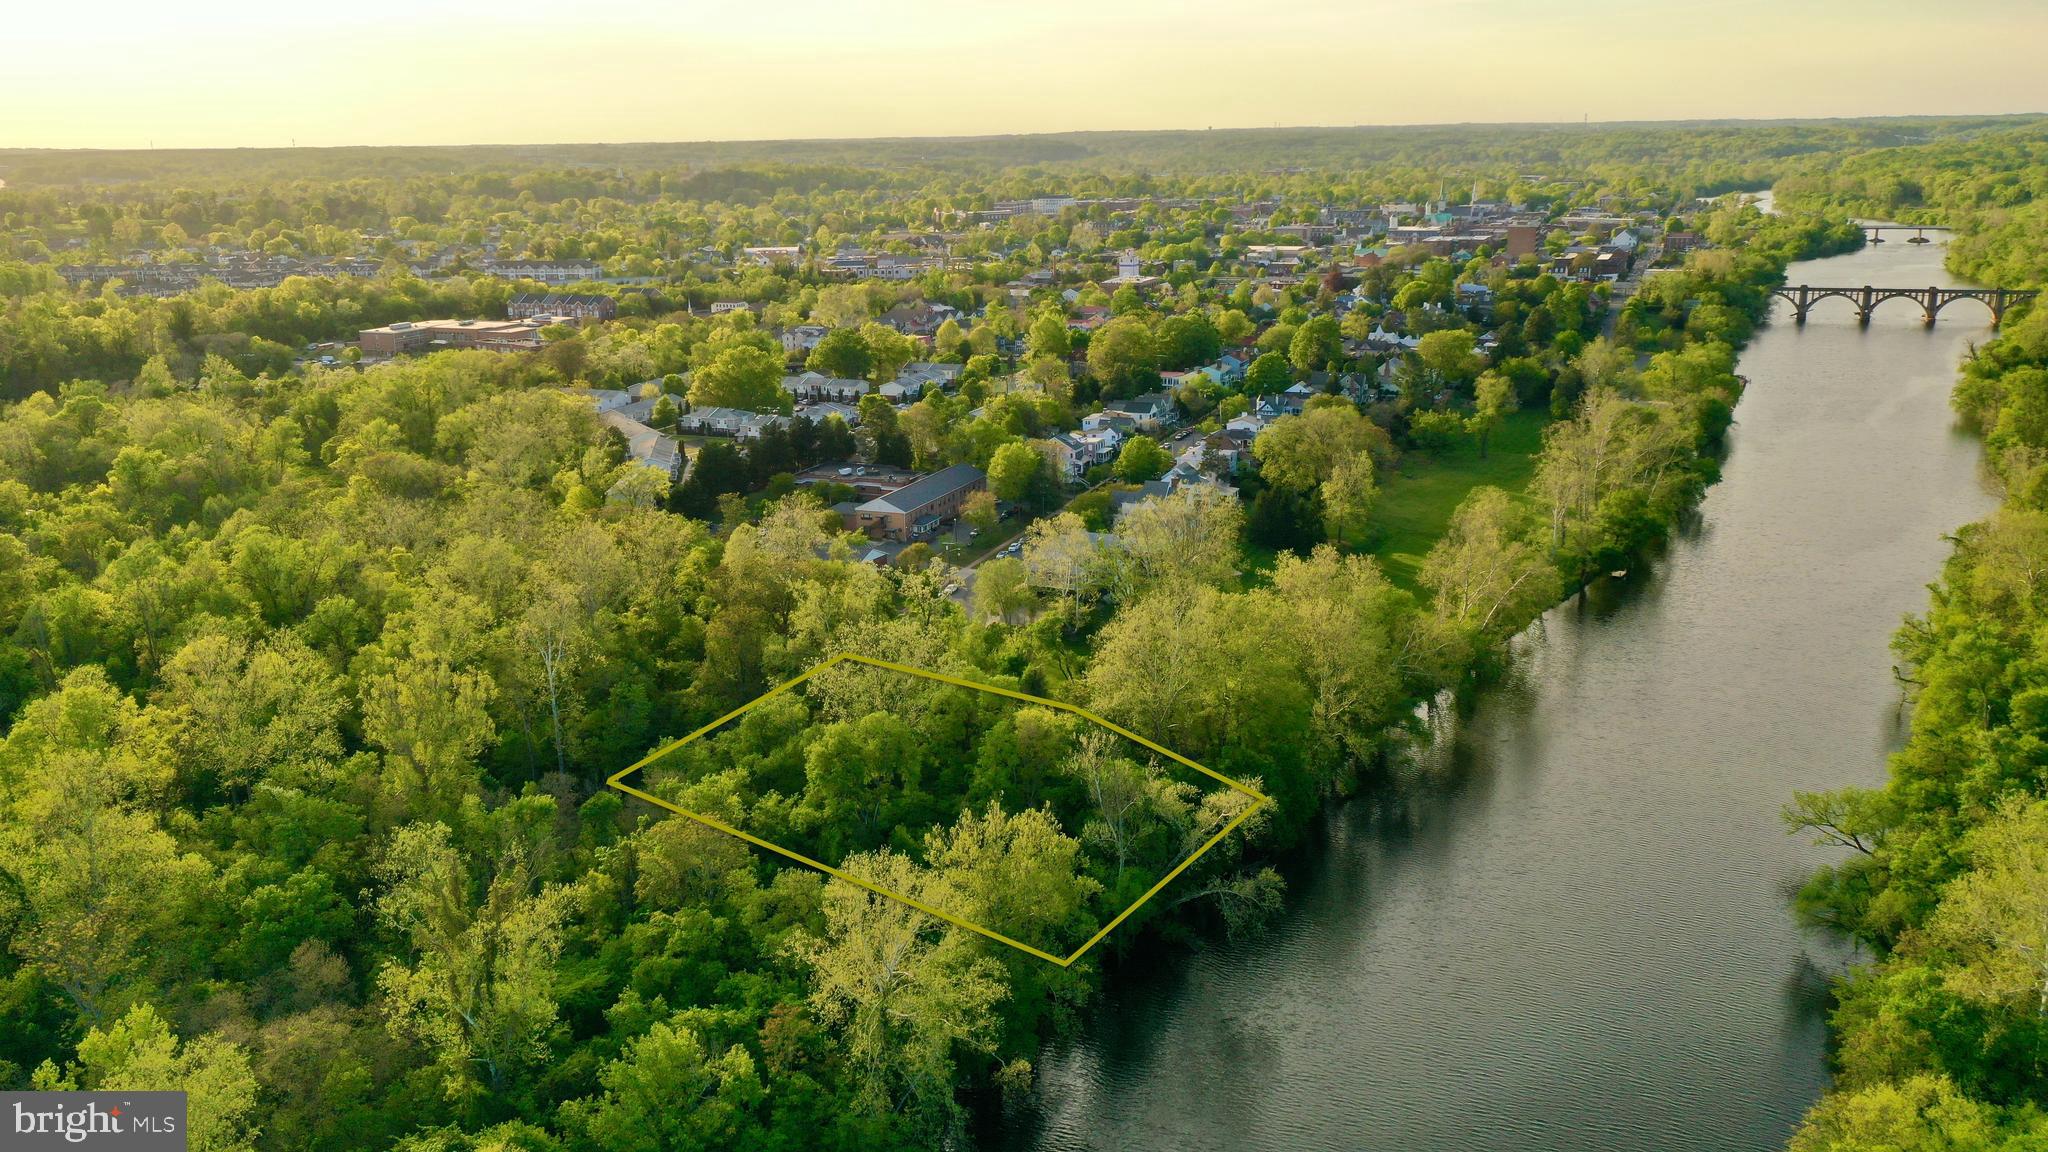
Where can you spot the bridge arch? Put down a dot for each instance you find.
(1803, 298)
(1994, 305)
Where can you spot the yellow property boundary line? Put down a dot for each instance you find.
(617, 780)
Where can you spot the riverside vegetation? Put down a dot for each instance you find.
(1941, 1041)
(313, 675)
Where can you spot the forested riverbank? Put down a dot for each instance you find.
(315, 674)
(1941, 1041)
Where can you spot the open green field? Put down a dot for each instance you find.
(1417, 498)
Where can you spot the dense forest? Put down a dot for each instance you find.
(313, 674)
(1990, 186)
(1942, 1041)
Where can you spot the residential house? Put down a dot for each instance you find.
(1065, 451)
(915, 378)
(1152, 412)
(647, 446)
(738, 423)
(818, 386)
(769, 256)
(799, 339)
(918, 318)
(820, 411)
(1124, 498)
(1088, 317)
(1121, 423)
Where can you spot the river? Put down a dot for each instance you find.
(1571, 932)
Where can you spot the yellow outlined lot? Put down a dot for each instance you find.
(617, 780)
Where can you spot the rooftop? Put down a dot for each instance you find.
(926, 489)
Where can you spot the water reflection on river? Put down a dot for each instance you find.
(1574, 935)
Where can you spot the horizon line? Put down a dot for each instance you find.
(1050, 133)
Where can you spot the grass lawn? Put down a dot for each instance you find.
(1416, 500)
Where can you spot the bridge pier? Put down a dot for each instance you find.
(1866, 304)
(1930, 304)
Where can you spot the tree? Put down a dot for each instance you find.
(664, 413)
(904, 993)
(1345, 626)
(881, 436)
(1142, 459)
(888, 351)
(1019, 871)
(1448, 358)
(1994, 918)
(1123, 356)
(1189, 534)
(1316, 344)
(669, 1092)
(1267, 375)
(1302, 452)
(93, 886)
(1486, 573)
(480, 991)
(1059, 554)
(430, 720)
(1348, 497)
(842, 305)
(1002, 590)
(1435, 430)
(1049, 338)
(743, 377)
(980, 511)
(1187, 340)
(863, 777)
(949, 340)
(140, 1053)
(552, 634)
(1496, 398)
(841, 353)
(1920, 1113)
(1286, 519)
(1013, 471)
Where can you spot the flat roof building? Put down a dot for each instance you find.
(434, 335)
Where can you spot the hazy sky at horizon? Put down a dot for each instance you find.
(131, 74)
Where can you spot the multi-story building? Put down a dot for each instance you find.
(546, 271)
(562, 305)
(917, 510)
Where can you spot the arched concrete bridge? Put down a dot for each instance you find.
(1931, 300)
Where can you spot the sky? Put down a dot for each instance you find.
(267, 73)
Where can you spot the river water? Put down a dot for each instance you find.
(1572, 932)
